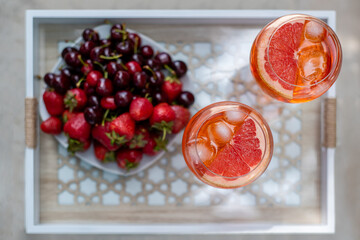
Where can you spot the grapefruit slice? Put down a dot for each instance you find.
(277, 63)
(240, 154)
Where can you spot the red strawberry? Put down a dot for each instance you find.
(75, 99)
(108, 103)
(140, 138)
(52, 125)
(103, 154)
(77, 128)
(154, 145)
(128, 159)
(67, 115)
(163, 118)
(123, 129)
(100, 133)
(182, 117)
(54, 102)
(93, 77)
(172, 87)
(78, 146)
(141, 109)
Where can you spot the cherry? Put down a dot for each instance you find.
(164, 58)
(180, 68)
(108, 103)
(93, 115)
(125, 48)
(137, 58)
(75, 78)
(105, 42)
(72, 59)
(123, 98)
(145, 92)
(93, 77)
(49, 78)
(116, 32)
(154, 64)
(87, 67)
(66, 72)
(93, 101)
(140, 79)
(186, 99)
(133, 67)
(159, 97)
(156, 79)
(61, 84)
(121, 79)
(90, 35)
(89, 90)
(147, 51)
(108, 52)
(66, 50)
(104, 87)
(86, 47)
(112, 68)
(95, 54)
(135, 39)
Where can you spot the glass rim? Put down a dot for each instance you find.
(332, 35)
(233, 104)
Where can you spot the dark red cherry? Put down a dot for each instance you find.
(104, 87)
(146, 51)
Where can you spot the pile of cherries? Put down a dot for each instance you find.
(101, 80)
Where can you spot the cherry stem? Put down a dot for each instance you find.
(100, 65)
(123, 65)
(170, 70)
(104, 117)
(82, 61)
(80, 81)
(136, 45)
(149, 69)
(105, 74)
(110, 57)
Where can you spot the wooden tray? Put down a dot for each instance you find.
(296, 193)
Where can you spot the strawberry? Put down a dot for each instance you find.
(122, 129)
(75, 99)
(128, 159)
(103, 154)
(172, 87)
(182, 117)
(67, 115)
(163, 118)
(52, 125)
(108, 103)
(54, 102)
(154, 145)
(77, 128)
(140, 138)
(140, 109)
(78, 146)
(100, 132)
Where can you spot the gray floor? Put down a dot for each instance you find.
(12, 85)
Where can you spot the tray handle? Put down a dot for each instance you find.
(30, 122)
(330, 123)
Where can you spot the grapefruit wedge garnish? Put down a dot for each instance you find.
(243, 152)
(277, 56)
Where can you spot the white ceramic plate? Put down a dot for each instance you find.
(88, 156)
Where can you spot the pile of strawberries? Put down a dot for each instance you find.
(118, 95)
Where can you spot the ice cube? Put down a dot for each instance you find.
(235, 117)
(205, 151)
(219, 133)
(313, 63)
(314, 32)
